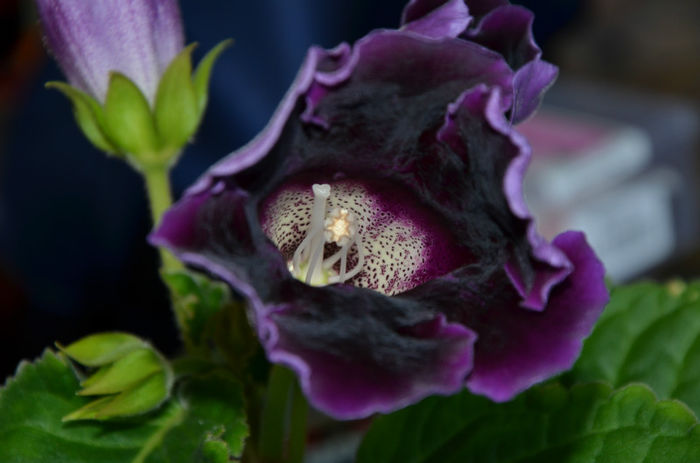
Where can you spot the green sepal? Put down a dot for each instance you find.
(203, 73)
(176, 109)
(143, 397)
(122, 374)
(101, 349)
(128, 118)
(87, 412)
(88, 114)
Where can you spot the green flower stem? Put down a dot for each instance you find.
(283, 419)
(157, 178)
(297, 425)
(273, 423)
(159, 194)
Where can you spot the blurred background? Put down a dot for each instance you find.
(615, 152)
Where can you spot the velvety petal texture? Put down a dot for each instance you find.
(89, 39)
(501, 27)
(527, 347)
(378, 230)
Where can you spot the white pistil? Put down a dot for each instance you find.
(338, 227)
(314, 236)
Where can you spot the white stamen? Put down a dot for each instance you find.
(330, 261)
(338, 227)
(360, 262)
(343, 277)
(343, 262)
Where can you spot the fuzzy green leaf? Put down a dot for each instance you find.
(199, 298)
(205, 409)
(649, 333)
(213, 450)
(586, 424)
(215, 325)
(88, 114)
(216, 411)
(128, 118)
(176, 109)
(203, 74)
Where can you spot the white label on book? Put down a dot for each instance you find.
(630, 227)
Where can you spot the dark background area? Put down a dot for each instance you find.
(73, 222)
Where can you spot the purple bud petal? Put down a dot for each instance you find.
(137, 38)
(447, 20)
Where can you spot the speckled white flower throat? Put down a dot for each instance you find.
(344, 233)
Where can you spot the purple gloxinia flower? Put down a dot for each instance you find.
(89, 39)
(378, 230)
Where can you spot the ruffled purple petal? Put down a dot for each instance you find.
(479, 8)
(530, 84)
(447, 20)
(90, 39)
(508, 31)
(418, 9)
(535, 272)
(550, 263)
(426, 62)
(260, 146)
(348, 382)
(501, 27)
(518, 348)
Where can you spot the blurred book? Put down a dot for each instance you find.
(621, 168)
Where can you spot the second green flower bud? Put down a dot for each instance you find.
(130, 377)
